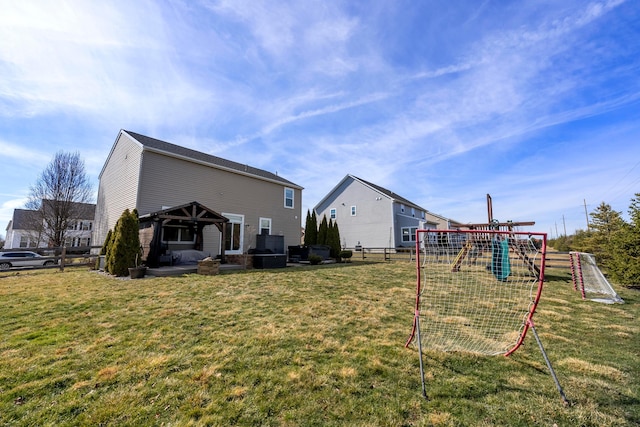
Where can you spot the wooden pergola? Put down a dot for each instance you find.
(191, 214)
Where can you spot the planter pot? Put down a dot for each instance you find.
(137, 272)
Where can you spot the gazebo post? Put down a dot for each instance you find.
(223, 233)
(199, 237)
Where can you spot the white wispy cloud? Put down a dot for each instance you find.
(400, 94)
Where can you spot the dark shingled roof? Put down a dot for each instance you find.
(206, 158)
(23, 219)
(80, 210)
(391, 194)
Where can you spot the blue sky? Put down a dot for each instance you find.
(534, 102)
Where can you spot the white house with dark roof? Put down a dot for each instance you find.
(26, 228)
(185, 191)
(372, 216)
(20, 231)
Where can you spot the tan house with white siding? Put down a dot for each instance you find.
(154, 176)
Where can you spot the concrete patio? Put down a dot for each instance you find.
(177, 270)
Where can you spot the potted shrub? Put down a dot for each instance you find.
(139, 271)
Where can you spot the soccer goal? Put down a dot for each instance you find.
(477, 291)
(588, 278)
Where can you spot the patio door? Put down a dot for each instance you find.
(234, 233)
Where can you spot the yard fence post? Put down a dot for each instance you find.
(63, 257)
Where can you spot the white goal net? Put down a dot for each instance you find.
(588, 278)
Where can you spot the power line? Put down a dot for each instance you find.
(627, 187)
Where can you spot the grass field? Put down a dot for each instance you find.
(298, 346)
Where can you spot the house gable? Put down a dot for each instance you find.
(373, 216)
(166, 175)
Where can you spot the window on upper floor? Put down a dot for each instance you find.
(332, 213)
(288, 198)
(402, 208)
(353, 211)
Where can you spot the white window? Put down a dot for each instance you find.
(24, 241)
(402, 208)
(409, 234)
(265, 225)
(353, 211)
(413, 211)
(422, 214)
(288, 198)
(332, 213)
(234, 233)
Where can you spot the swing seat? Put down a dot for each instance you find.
(500, 264)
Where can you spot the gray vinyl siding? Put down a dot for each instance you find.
(153, 175)
(118, 185)
(379, 218)
(371, 227)
(167, 181)
(403, 220)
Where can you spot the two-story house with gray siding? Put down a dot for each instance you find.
(154, 176)
(373, 217)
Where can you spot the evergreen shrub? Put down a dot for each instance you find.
(124, 251)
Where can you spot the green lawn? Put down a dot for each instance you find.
(298, 346)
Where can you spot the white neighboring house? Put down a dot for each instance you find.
(373, 217)
(23, 232)
(176, 188)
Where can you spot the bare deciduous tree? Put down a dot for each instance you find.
(59, 195)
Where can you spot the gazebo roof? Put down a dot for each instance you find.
(193, 212)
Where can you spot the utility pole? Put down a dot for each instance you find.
(585, 213)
